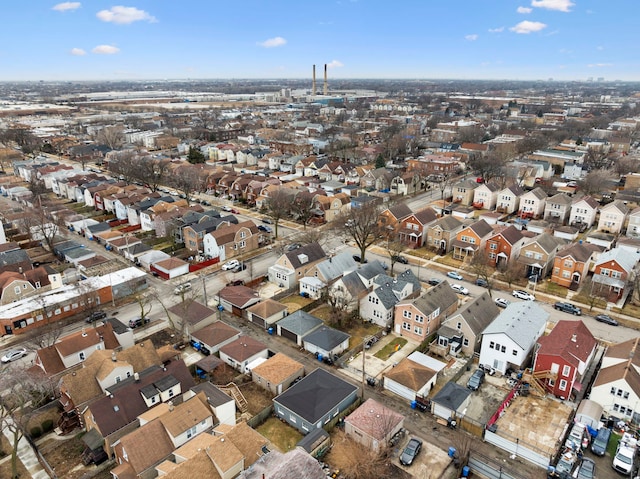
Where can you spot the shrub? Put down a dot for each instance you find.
(36, 432)
(47, 426)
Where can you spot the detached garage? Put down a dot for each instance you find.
(413, 377)
(450, 401)
(170, 268)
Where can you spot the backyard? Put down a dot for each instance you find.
(394, 345)
(283, 436)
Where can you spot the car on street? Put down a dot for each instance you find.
(520, 294)
(501, 302)
(587, 469)
(476, 380)
(482, 282)
(264, 229)
(434, 281)
(137, 322)
(567, 308)
(458, 288)
(237, 282)
(411, 451)
(240, 267)
(95, 316)
(182, 288)
(292, 246)
(400, 259)
(267, 220)
(226, 208)
(357, 259)
(455, 275)
(13, 354)
(606, 319)
(234, 263)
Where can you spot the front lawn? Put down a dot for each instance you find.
(283, 436)
(390, 348)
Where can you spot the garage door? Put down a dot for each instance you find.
(441, 411)
(259, 321)
(285, 333)
(399, 389)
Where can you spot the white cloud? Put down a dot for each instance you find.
(105, 50)
(66, 6)
(560, 5)
(599, 65)
(78, 52)
(273, 42)
(527, 27)
(524, 10)
(472, 38)
(496, 30)
(124, 15)
(599, 48)
(335, 64)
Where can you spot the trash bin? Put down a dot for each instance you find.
(465, 471)
(452, 451)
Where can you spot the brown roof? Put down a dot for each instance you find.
(249, 441)
(278, 368)
(147, 446)
(374, 419)
(481, 228)
(267, 308)
(191, 448)
(580, 252)
(170, 263)
(511, 234)
(228, 233)
(93, 261)
(238, 295)
(426, 215)
(184, 416)
(79, 341)
(570, 340)
(411, 374)
(215, 333)
(617, 372)
(243, 348)
(192, 311)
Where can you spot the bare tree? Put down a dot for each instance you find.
(278, 206)
(112, 136)
(511, 272)
(596, 180)
(626, 164)
(482, 269)
(302, 207)
(49, 329)
(153, 172)
(188, 180)
(443, 182)
(596, 160)
(593, 292)
(40, 227)
(338, 302)
(361, 225)
(124, 165)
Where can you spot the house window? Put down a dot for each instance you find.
(563, 385)
(613, 390)
(503, 349)
(242, 244)
(566, 274)
(419, 318)
(619, 393)
(492, 345)
(191, 432)
(465, 342)
(417, 330)
(568, 263)
(16, 290)
(118, 379)
(153, 399)
(566, 370)
(170, 393)
(243, 234)
(626, 395)
(514, 352)
(406, 326)
(81, 356)
(459, 325)
(406, 314)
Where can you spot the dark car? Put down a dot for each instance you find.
(357, 259)
(568, 308)
(476, 380)
(482, 282)
(137, 322)
(411, 451)
(95, 316)
(434, 281)
(266, 229)
(237, 282)
(267, 221)
(605, 318)
(601, 441)
(400, 259)
(587, 469)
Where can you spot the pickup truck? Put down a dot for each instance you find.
(568, 308)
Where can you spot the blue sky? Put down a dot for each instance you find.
(465, 39)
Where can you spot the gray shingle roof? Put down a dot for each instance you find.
(478, 314)
(326, 338)
(521, 322)
(299, 322)
(440, 296)
(335, 267)
(312, 251)
(451, 396)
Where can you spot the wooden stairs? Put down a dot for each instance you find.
(536, 381)
(233, 390)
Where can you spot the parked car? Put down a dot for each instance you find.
(458, 288)
(400, 259)
(95, 316)
(182, 288)
(357, 259)
(267, 221)
(587, 469)
(137, 322)
(293, 246)
(501, 302)
(520, 294)
(601, 441)
(476, 380)
(605, 318)
(234, 263)
(240, 267)
(455, 275)
(226, 208)
(434, 281)
(568, 308)
(411, 451)
(13, 354)
(482, 282)
(237, 282)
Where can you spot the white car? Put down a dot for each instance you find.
(182, 288)
(518, 293)
(234, 263)
(501, 302)
(13, 355)
(226, 208)
(458, 288)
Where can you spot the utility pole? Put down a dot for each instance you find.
(204, 289)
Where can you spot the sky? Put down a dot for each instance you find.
(426, 39)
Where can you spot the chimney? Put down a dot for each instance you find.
(324, 90)
(574, 338)
(313, 85)
(113, 356)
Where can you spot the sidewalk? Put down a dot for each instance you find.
(27, 456)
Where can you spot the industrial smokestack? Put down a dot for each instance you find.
(313, 87)
(324, 90)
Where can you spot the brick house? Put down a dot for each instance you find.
(470, 239)
(504, 245)
(412, 230)
(572, 263)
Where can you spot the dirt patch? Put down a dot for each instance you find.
(5, 469)
(280, 433)
(65, 456)
(295, 302)
(257, 397)
(163, 338)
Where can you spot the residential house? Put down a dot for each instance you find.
(563, 358)
(633, 226)
(326, 342)
(508, 199)
(504, 245)
(14, 286)
(194, 233)
(372, 425)
(405, 184)
(244, 350)
(572, 263)
(231, 241)
(583, 211)
(617, 385)
(532, 204)
(190, 315)
(222, 405)
(391, 217)
(442, 232)
(212, 337)
(462, 331)
(346, 292)
(186, 420)
(326, 272)
(471, 239)
(613, 273)
(266, 313)
(485, 196)
(413, 377)
(293, 265)
(418, 318)
(332, 207)
(463, 192)
(236, 299)
(277, 373)
(558, 208)
(537, 254)
(509, 340)
(412, 229)
(613, 217)
(297, 325)
(297, 462)
(314, 401)
(377, 306)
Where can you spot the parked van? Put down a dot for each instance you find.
(601, 441)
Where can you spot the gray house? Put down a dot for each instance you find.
(314, 401)
(326, 341)
(297, 325)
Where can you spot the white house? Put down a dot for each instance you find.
(613, 217)
(583, 211)
(485, 196)
(633, 226)
(378, 306)
(508, 199)
(532, 203)
(510, 338)
(414, 376)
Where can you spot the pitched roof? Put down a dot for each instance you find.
(248, 441)
(315, 395)
(336, 266)
(617, 204)
(185, 416)
(299, 322)
(294, 463)
(267, 308)
(625, 258)
(546, 241)
(192, 311)
(570, 340)
(326, 338)
(511, 234)
(400, 211)
(306, 254)
(560, 199)
(580, 252)
(521, 322)
(243, 348)
(448, 223)
(481, 228)
(146, 446)
(478, 314)
(617, 372)
(589, 200)
(439, 297)
(278, 368)
(374, 419)
(240, 296)
(410, 374)
(215, 333)
(451, 396)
